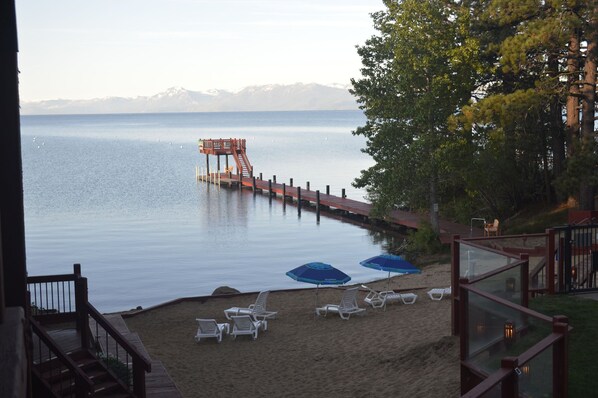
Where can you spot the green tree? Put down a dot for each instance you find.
(417, 71)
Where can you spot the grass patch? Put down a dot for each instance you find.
(583, 344)
(536, 219)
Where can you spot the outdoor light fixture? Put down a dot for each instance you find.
(510, 285)
(480, 327)
(509, 331)
(525, 369)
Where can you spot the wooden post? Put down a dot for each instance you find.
(138, 378)
(299, 200)
(270, 188)
(207, 164)
(560, 357)
(261, 177)
(307, 186)
(218, 163)
(525, 281)
(343, 194)
(226, 160)
(14, 271)
(284, 192)
(274, 179)
(253, 183)
(318, 205)
(510, 385)
(82, 317)
(463, 319)
(291, 182)
(327, 189)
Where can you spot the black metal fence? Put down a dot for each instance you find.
(576, 258)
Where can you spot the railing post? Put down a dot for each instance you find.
(270, 188)
(284, 192)
(290, 182)
(138, 378)
(253, 183)
(327, 189)
(525, 280)
(299, 200)
(307, 186)
(261, 177)
(81, 304)
(343, 195)
(510, 385)
(560, 357)
(77, 269)
(274, 179)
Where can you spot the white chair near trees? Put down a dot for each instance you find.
(380, 299)
(347, 307)
(258, 309)
(247, 325)
(210, 328)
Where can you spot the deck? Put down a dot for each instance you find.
(348, 206)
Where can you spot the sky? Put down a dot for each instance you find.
(73, 49)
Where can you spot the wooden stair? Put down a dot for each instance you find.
(61, 383)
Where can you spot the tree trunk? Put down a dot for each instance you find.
(557, 135)
(586, 191)
(572, 123)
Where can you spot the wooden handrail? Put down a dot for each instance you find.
(52, 278)
(80, 377)
(115, 334)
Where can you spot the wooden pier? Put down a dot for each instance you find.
(328, 203)
(244, 178)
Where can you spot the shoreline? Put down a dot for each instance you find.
(379, 353)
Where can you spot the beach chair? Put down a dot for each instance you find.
(247, 325)
(492, 228)
(438, 293)
(258, 309)
(210, 328)
(379, 299)
(346, 308)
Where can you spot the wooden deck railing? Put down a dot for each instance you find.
(111, 344)
(63, 298)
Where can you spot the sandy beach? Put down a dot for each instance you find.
(405, 351)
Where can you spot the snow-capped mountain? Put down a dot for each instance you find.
(177, 99)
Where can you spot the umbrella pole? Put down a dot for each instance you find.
(317, 290)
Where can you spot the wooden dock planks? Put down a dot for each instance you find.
(397, 217)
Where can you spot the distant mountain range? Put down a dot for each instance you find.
(176, 99)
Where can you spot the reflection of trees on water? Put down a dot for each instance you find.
(391, 242)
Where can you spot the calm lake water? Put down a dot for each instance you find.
(117, 193)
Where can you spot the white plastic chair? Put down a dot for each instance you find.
(347, 307)
(379, 299)
(210, 328)
(246, 325)
(258, 309)
(438, 294)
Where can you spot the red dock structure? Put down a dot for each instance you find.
(236, 148)
(244, 178)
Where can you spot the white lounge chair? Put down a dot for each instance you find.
(258, 309)
(210, 328)
(346, 308)
(379, 299)
(438, 294)
(246, 325)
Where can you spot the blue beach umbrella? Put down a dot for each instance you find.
(390, 263)
(319, 274)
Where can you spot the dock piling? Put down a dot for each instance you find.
(343, 194)
(270, 188)
(327, 189)
(318, 205)
(299, 200)
(274, 179)
(284, 192)
(253, 183)
(307, 185)
(291, 182)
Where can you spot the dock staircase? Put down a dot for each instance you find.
(237, 148)
(243, 164)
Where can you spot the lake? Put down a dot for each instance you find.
(117, 193)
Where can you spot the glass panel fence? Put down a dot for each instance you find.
(536, 376)
(476, 261)
(496, 331)
(506, 285)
